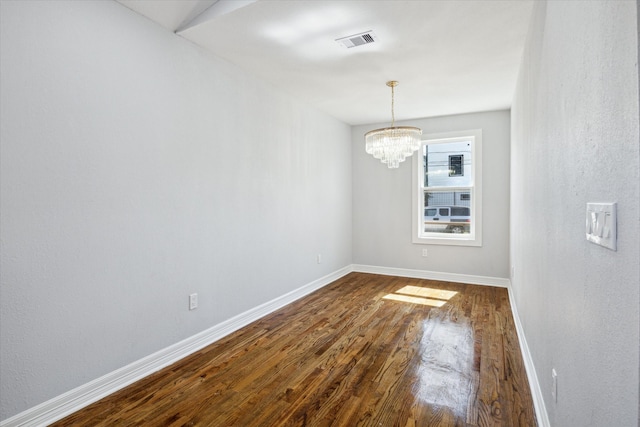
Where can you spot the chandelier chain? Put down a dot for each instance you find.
(393, 100)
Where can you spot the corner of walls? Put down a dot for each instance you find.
(575, 119)
(536, 392)
(532, 377)
(382, 203)
(433, 275)
(126, 186)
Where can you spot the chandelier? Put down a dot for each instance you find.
(394, 144)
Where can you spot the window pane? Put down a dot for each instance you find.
(447, 164)
(447, 212)
(446, 198)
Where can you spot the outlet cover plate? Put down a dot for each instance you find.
(193, 301)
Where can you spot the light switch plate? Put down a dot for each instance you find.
(602, 224)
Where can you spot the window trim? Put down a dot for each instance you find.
(475, 237)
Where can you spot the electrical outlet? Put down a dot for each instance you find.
(193, 301)
(425, 252)
(554, 385)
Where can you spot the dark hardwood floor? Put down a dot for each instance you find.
(367, 350)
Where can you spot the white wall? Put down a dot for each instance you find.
(575, 140)
(382, 204)
(135, 170)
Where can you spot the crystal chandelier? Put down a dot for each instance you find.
(394, 144)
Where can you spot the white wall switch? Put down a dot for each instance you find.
(601, 224)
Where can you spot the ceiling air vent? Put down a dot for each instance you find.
(358, 39)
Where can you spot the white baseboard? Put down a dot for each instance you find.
(532, 376)
(433, 275)
(76, 399)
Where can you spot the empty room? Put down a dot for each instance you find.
(319, 212)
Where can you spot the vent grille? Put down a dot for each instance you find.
(358, 39)
(367, 38)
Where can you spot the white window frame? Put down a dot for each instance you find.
(474, 237)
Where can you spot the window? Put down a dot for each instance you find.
(455, 165)
(447, 178)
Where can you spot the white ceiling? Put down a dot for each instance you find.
(449, 56)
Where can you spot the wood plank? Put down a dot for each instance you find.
(437, 354)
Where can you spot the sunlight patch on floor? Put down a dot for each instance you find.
(415, 300)
(422, 296)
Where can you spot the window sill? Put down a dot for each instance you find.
(451, 241)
